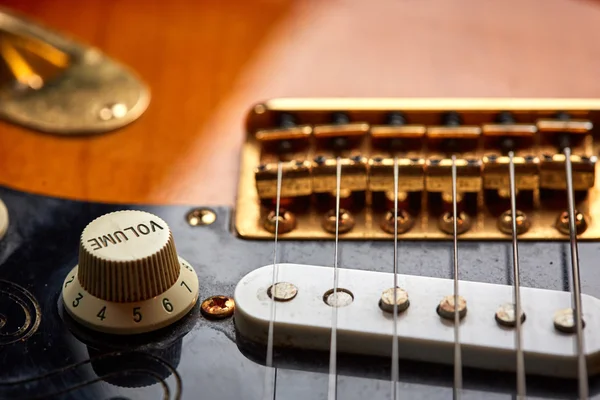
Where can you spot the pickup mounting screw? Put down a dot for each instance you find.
(218, 307)
(505, 315)
(346, 222)
(386, 303)
(284, 291)
(562, 223)
(287, 221)
(564, 321)
(446, 307)
(505, 222)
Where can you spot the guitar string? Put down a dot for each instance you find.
(332, 386)
(521, 385)
(582, 376)
(270, 382)
(395, 355)
(457, 351)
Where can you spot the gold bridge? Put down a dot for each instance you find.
(310, 136)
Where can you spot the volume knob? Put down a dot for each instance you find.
(129, 278)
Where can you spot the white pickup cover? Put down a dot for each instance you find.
(363, 328)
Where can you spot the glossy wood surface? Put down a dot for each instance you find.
(207, 61)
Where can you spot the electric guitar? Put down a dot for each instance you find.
(296, 200)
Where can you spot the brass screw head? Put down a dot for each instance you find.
(505, 315)
(505, 222)
(283, 291)
(446, 307)
(386, 303)
(287, 221)
(405, 222)
(218, 307)
(346, 222)
(562, 223)
(201, 217)
(463, 223)
(564, 321)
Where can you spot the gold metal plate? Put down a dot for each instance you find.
(479, 115)
(53, 84)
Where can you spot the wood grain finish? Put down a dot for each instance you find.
(207, 61)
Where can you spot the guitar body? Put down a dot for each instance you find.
(206, 64)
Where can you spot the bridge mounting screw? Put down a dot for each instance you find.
(405, 222)
(562, 223)
(463, 223)
(505, 222)
(287, 221)
(346, 222)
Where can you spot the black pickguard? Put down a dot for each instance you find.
(201, 359)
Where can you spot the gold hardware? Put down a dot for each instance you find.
(468, 175)
(453, 132)
(568, 126)
(562, 223)
(345, 225)
(396, 132)
(504, 130)
(277, 134)
(354, 174)
(552, 172)
(297, 182)
(218, 307)
(287, 221)
(337, 130)
(405, 222)
(463, 223)
(495, 172)
(505, 222)
(410, 174)
(424, 165)
(60, 86)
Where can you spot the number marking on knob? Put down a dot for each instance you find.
(131, 318)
